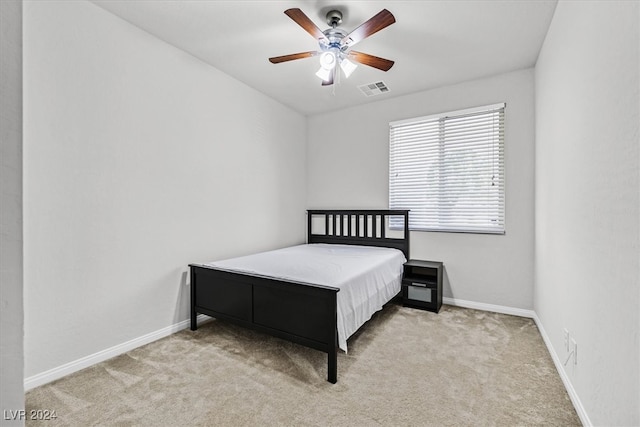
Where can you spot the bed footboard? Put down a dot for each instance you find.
(304, 314)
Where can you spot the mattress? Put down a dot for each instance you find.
(367, 277)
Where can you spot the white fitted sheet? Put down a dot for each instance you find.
(368, 277)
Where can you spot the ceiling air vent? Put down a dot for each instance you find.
(373, 89)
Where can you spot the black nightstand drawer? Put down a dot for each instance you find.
(419, 292)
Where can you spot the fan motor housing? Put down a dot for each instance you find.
(335, 33)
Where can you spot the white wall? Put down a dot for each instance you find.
(11, 279)
(348, 167)
(587, 269)
(138, 160)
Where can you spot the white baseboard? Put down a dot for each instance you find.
(101, 356)
(489, 307)
(577, 403)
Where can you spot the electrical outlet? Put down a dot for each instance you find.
(566, 339)
(574, 348)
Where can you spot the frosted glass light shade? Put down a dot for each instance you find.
(328, 60)
(347, 67)
(324, 73)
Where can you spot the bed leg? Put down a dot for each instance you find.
(194, 315)
(332, 353)
(332, 367)
(194, 321)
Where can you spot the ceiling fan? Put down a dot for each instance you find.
(335, 44)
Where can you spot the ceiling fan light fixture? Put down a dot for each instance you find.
(335, 43)
(347, 67)
(328, 60)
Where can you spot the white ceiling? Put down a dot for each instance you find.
(433, 43)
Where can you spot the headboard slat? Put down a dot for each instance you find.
(366, 226)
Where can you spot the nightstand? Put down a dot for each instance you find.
(422, 285)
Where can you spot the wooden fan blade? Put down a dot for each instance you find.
(330, 81)
(285, 58)
(303, 20)
(382, 20)
(371, 61)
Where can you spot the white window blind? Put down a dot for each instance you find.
(448, 169)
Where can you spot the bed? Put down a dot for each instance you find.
(316, 294)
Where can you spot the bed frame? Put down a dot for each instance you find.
(302, 313)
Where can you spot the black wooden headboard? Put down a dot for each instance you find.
(361, 227)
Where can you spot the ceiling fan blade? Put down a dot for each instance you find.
(285, 58)
(330, 81)
(382, 20)
(371, 61)
(307, 24)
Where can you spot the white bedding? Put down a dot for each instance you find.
(368, 277)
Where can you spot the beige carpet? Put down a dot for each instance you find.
(404, 367)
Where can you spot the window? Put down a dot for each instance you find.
(449, 170)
